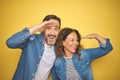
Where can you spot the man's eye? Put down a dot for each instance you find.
(56, 28)
(48, 28)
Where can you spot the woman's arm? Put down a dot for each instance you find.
(99, 38)
(105, 46)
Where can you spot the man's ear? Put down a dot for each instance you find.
(63, 43)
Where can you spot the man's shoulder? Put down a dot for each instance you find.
(39, 37)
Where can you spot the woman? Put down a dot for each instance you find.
(73, 62)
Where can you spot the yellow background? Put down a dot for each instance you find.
(88, 16)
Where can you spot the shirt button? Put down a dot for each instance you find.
(39, 56)
(83, 66)
(31, 38)
(24, 35)
(33, 74)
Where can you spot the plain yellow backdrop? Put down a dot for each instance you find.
(87, 16)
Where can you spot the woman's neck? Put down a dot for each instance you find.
(68, 55)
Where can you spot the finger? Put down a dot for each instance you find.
(84, 37)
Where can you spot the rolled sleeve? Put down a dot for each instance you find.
(19, 39)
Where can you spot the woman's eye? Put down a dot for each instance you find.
(71, 39)
(77, 40)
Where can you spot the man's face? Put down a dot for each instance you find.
(51, 32)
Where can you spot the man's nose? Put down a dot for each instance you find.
(52, 32)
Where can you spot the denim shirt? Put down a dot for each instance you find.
(82, 66)
(32, 49)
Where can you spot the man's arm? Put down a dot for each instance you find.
(20, 39)
(40, 27)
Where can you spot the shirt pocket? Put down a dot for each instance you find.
(84, 65)
(61, 74)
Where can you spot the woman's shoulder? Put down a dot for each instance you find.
(84, 53)
(58, 61)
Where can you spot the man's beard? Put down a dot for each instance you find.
(51, 39)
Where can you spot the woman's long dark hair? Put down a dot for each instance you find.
(62, 36)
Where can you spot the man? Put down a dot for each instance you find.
(38, 54)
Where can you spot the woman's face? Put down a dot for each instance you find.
(71, 43)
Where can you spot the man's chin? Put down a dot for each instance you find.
(50, 43)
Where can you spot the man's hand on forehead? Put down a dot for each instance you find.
(41, 27)
(52, 23)
(46, 24)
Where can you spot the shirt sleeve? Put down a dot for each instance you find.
(19, 40)
(100, 51)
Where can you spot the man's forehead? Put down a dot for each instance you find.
(53, 26)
